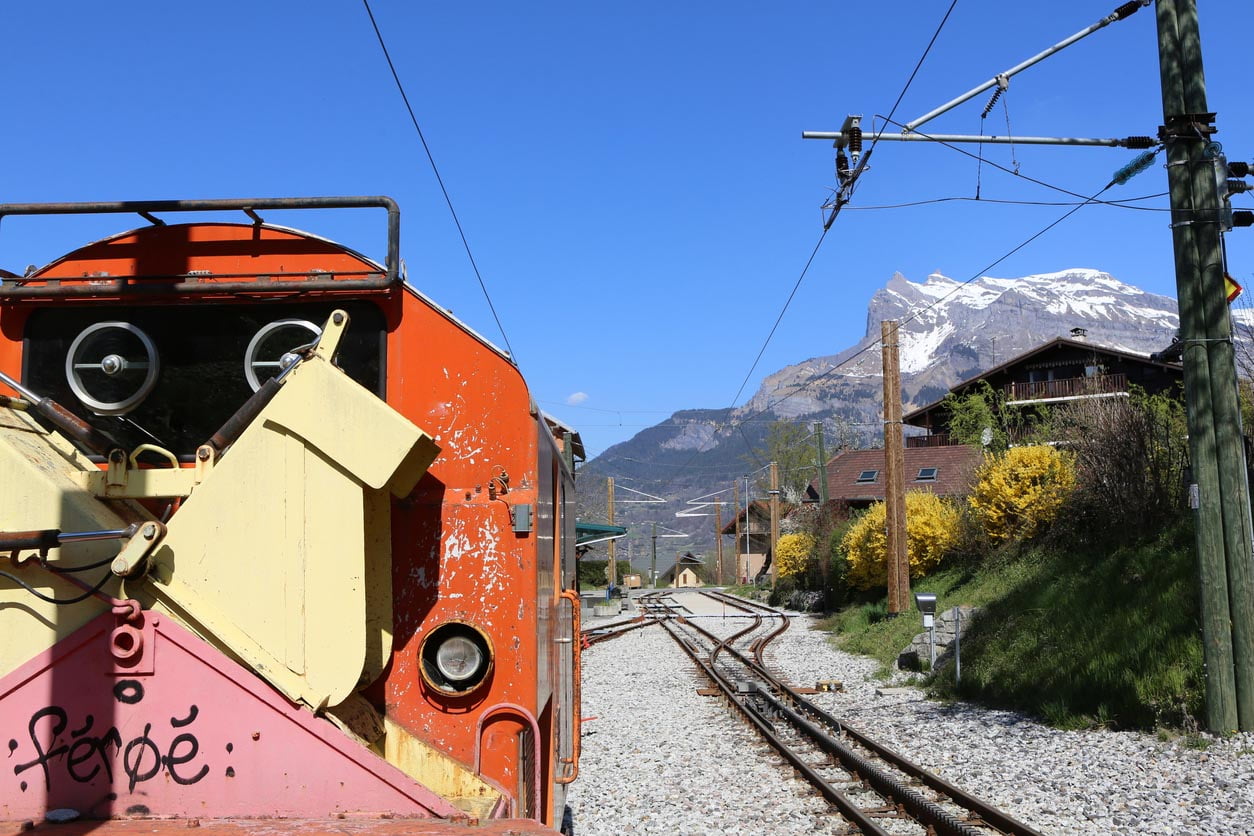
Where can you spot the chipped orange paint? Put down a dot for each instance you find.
(456, 555)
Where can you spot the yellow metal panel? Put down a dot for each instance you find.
(378, 585)
(39, 489)
(271, 557)
(436, 770)
(267, 555)
(378, 445)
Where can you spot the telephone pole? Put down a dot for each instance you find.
(895, 469)
(653, 560)
(736, 495)
(612, 569)
(1219, 494)
(774, 521)
(818, 431)
(718, 542)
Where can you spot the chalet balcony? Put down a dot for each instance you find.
(930, 440)
(1073, 387)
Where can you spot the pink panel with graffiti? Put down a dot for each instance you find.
(161, 724)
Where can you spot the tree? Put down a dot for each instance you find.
(1130, 457)
(791, 446)
(974, 416)
(1018, 492)
(932, 525)
(981, 418)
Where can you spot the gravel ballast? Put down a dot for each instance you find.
(659, 758)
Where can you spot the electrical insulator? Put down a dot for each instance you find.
(1237, 186)
(1238, 169)
(854, 136)
(1135, 142)
(842, 167)
(1141, 162)
(1243, 218)
(992, 100)
(1128, 8)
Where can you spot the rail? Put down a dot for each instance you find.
(797, 728)
(17, 287)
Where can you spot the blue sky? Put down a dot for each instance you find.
(631, 177)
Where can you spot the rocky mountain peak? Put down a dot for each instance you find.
(950, 331)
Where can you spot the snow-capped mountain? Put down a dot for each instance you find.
(951, 331)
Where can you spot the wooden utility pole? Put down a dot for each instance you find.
(818, 431)
(736, 494)
(774, 521)
(718, 542)
(612, 569)
(1219, 493)
(653, 560)
(895, 475)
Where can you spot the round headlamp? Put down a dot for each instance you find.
(456, 658)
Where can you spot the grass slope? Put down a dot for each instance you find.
(1077, 639)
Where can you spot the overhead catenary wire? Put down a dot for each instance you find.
(1118, 204)
(915, 314)
(846, 190)
(436, 171)
(908, 317)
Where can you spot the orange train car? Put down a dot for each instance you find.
(280, 540)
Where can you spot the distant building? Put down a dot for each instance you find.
(754, 540)
(1059, 371)
(688, 571)
(856, 479)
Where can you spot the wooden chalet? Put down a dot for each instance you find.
(1062, 370)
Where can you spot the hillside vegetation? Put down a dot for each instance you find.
(1078, 639)
(1079, 554)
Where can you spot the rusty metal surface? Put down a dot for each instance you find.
(280, 827)
(827, 732)
(481, 538)
(249, 206)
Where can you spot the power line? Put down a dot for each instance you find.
(431, 159)
(1118, 204)
(1014, 173)
(912, 315)
(849, 185)
(780, 318)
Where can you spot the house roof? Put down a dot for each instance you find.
(1044, 348)
(955, 466)
(687, 561)
(757, 508)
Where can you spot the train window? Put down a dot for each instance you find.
(172, 375)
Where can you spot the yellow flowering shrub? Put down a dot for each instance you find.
(931, 533)
(792, 553)
(1018, 492)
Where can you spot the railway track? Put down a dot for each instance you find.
(875, 789)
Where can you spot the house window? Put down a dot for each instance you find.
(926, 474)
(868, 475)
